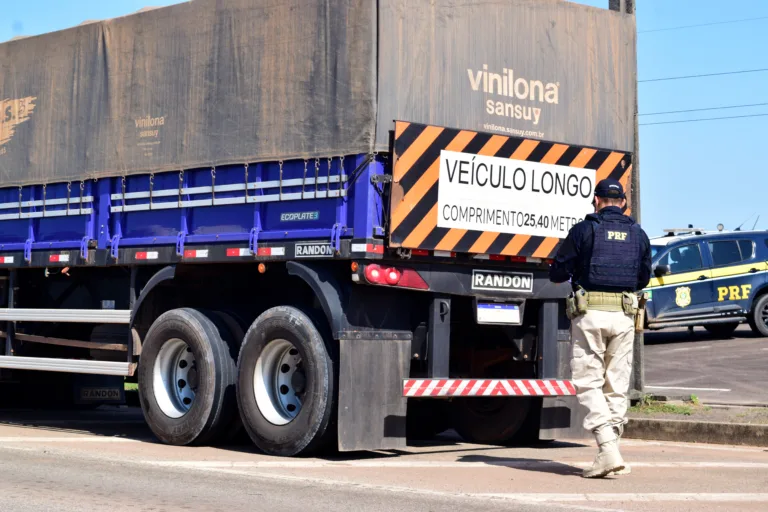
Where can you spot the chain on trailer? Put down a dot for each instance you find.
(213, 186)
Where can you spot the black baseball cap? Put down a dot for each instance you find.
(609, 188)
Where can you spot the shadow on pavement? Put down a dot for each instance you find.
(128, 423)
(124, 422)
(536, 465)
(698, 335)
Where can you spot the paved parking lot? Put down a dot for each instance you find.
(727, 371)
(107, 460)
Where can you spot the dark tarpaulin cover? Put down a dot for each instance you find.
(215, 82)
(541, 69)
(208, 82)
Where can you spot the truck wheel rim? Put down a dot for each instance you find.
(175, 378)
(279, 382)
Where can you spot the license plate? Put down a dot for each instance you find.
(498, 313)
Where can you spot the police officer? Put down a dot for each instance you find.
(607, 258)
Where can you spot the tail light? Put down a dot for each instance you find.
(391, 276)
(374, 274)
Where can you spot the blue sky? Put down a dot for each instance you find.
(700, 173)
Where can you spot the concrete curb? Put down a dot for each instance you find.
(697, 432)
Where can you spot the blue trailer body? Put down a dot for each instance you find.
(320, 199)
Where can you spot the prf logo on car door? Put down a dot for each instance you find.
(733, 292)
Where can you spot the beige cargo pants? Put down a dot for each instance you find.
(601, 364)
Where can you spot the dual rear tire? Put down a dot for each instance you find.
(286, 386)
(198, 368)
(187, 378)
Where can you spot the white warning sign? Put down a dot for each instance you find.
(503, 195)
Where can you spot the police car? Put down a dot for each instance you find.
(716, 280)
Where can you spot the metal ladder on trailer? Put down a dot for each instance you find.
(11, 315)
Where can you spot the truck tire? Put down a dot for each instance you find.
(287, 384)
(721, 330)
(758, 317)
(235, 432)
(187, 378)
(490, 420)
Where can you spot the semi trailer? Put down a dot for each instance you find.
(326, 223)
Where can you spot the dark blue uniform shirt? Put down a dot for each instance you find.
(572, 259)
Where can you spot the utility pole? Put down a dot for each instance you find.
(637, 381)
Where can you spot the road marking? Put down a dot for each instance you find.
(687, 389)
(630, 496)
(689, 348)
(555, 501)
(328, 482)
(399, 464)
(515, 497)
(102, 439)
(698, 446)
(335, 484)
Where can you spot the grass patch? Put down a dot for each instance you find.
(662, 408)
(649, 406)
(753, 416)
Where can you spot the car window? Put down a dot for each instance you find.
(656, 248)
(747, 249)
(725, 253)
(685, 258)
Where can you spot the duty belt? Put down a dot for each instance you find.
(604, 301)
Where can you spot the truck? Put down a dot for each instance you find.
(324, 223)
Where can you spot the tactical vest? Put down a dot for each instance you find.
(615, 256)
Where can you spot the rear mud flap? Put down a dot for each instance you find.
(372, 409)
(562, 417)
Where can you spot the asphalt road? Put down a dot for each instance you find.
(723, 371)
(107, 461)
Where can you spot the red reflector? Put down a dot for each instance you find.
(549, 261)
(376, 249)
(419, 252)
(411, 279)
(517, 259)
(497, 257)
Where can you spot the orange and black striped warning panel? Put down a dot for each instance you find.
(413, 222)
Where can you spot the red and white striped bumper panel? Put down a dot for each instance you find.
(486, 387)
